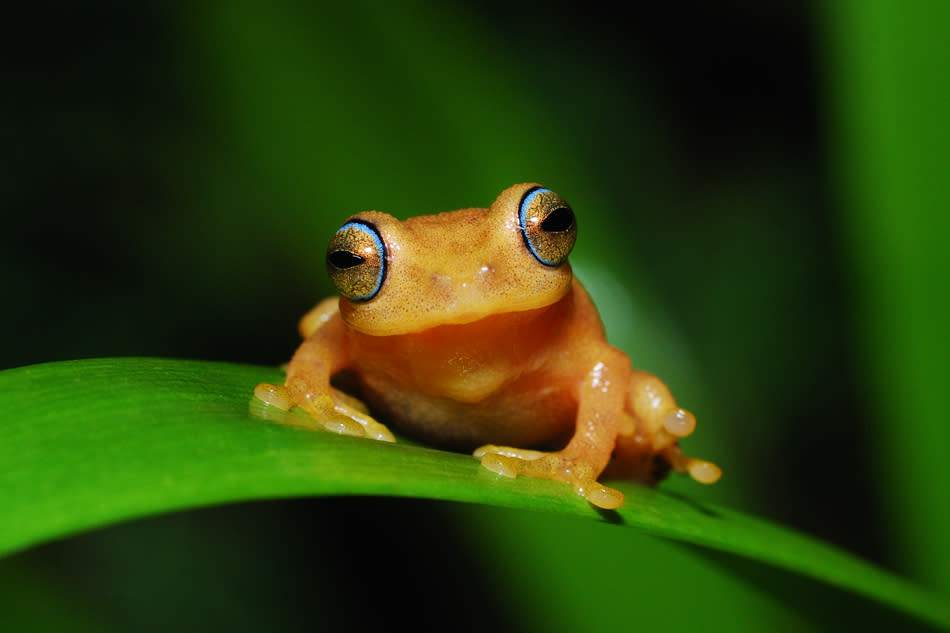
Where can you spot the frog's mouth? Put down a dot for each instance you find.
(452, 303)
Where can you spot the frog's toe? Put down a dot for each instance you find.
(274, 395)
(354, 409)
(499, 464)
(679, 422)
(341, 425)
(351, 402)
(373, 429)
(356, 417)
(510, 462)
(508, 451)
(703, 471)
(598, 494)
(345, 421)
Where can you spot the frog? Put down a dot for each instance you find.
(468, 331)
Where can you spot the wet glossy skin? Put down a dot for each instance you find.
(464, 329)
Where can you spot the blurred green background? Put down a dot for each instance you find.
(760, 193)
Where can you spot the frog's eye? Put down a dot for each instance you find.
(356, 260)
(547, 226)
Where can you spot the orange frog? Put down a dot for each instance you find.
(467, 329)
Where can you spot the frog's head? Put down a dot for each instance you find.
(454, 267)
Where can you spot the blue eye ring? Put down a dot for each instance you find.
(547, 224)
(357, 260)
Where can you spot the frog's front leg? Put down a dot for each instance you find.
(307, 386)
(600, 416)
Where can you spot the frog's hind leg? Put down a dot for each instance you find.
(649, 447)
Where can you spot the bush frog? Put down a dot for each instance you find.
(467, 330)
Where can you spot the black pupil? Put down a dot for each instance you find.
(344, 259)
(561, 219)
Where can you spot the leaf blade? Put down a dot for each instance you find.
(88, 443)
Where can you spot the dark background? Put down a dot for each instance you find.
(172, 174)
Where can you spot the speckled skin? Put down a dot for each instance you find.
(472, 341)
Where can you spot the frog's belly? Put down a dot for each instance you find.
(522, 414)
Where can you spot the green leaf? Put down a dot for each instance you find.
(87, 443)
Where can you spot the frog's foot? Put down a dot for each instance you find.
(679, 423)
(511, 462)
(699, 469)
(336, 412)
(672, 424)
